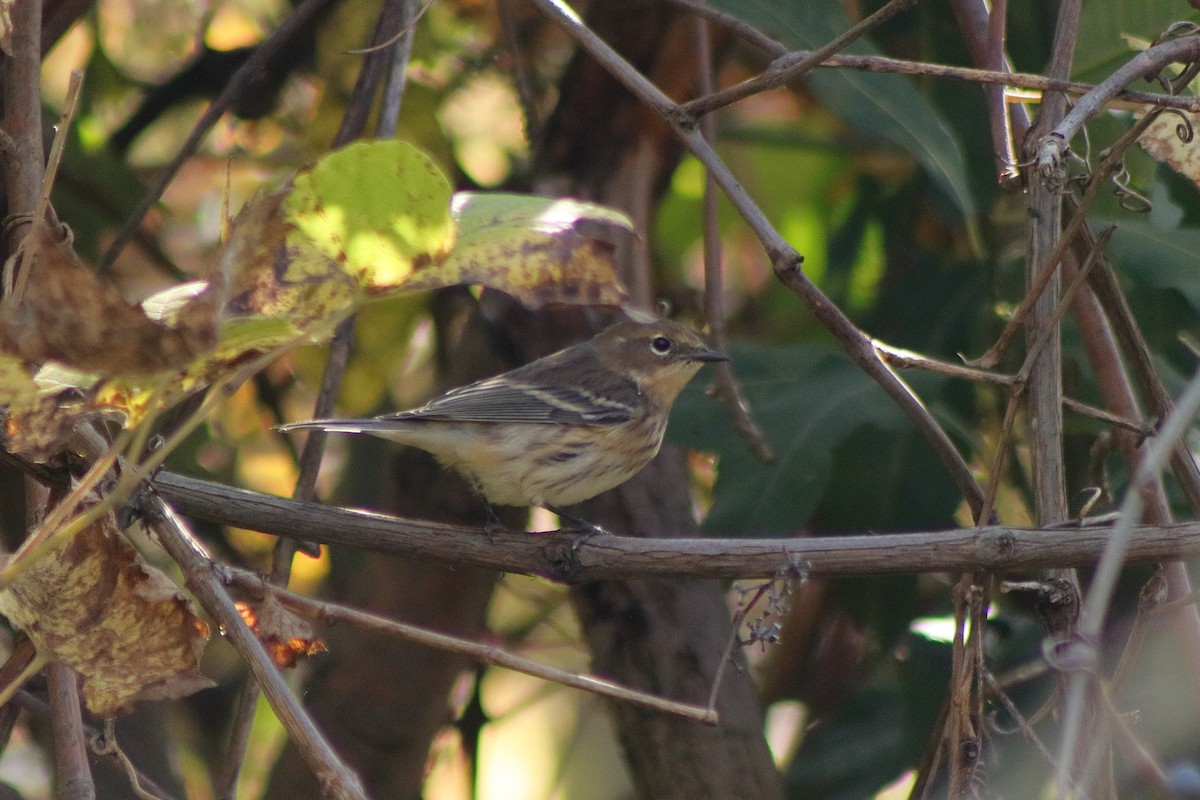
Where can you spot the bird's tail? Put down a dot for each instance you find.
(339, 426)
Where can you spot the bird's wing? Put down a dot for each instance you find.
(506, 399)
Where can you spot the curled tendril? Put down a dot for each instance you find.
(1130, 199)
(1184, 129)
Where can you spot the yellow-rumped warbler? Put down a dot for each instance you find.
(561, 429)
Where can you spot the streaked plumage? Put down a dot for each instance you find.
(560, 430)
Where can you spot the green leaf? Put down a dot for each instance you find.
(1106, 28)
(810, 401)
(1159, 258)
(885, 106)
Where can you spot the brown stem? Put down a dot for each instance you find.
(72, 777)
(553, 555)
(1018, 80)
(333, 614)
(394, 26)
(335, 779)
(728, 389)
(787, 68)
(23, 113)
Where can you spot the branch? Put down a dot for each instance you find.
(72, 778)
(1053, 148)
(334, 777)
(1019, 80)
(333, 614)
(1080, 655)
(786, 69)
(784, 258)
(555, 557)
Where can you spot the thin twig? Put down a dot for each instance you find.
(1110, 162)
(106, 745)
(787, 68)
(898, 357)
(1017, 80)
(1080, 655)
(1143, 429)
(393, 95)
(731, 644)
(1023, 725)
(394, 26)
(1147, 62)
(727, 387)
(36, 706)
(521, 77)
(333, 776)
(332, 613)
(72, 778)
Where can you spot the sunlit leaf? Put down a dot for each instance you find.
(379, 210)
(540, 250)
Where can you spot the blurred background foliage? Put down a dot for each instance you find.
(887, 186)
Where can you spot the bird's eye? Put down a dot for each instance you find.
(661, 345)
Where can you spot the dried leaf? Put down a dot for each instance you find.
(41, 426)
(65, 313)
(1169, 140)
(539, 250)
(285, 636)
(95, 604)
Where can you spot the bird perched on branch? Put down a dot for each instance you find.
(561, 429)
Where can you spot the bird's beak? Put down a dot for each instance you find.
(705, 354)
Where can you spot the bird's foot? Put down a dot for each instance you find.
(589, 530)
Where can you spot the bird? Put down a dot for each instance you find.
(559, 430)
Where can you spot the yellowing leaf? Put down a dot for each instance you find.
(95, 604)
(257, 266)
(15, 381)
(379, 209)
(540, 250)
(1161, 140)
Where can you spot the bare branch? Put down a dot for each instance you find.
(335, 778)
(72, 778)
(1018, 80)
(554, 556)
(332, 613)
(726, 384)
(786, 69)
(1079, 656)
